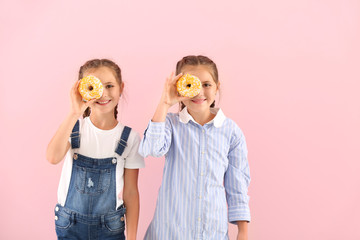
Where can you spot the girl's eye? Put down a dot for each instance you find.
(109, 86)
(207, 85)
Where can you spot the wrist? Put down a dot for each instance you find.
(160, 113)
(164, 105)
(74, 114)
(130, 236)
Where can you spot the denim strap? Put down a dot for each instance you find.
(123, 140)
(75, 136)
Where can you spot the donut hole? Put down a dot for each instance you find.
(91, 88)
(188, 85)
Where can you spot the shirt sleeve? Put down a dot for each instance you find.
(134, 160)
(237, 179)
(157, 139)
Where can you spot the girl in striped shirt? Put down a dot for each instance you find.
(206, 173)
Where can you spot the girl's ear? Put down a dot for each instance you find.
(122, 87)
(217, 86)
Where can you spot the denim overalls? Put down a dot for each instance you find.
(89, 211)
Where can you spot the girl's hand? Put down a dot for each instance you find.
(170, 95)
(78, 106)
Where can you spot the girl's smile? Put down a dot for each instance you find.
(103, 102)
(198, 100)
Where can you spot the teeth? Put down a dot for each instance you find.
(104, 102)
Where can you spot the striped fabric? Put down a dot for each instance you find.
(205, 179)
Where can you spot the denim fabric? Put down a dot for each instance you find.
(89, 211)
(75, 136)
(122, 144)
(92, 187)
(73, 225)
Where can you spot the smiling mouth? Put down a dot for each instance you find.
(198, 101)
(103, 103)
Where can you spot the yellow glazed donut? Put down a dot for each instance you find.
(90, 87)
(188, 86)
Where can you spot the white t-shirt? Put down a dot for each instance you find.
(98, 143)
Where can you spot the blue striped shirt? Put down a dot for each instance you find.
(205, 179)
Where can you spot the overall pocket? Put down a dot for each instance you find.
(92, 181)
(63, 220)
(116, 223)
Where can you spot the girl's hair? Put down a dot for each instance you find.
(97, 63)
(193, 60)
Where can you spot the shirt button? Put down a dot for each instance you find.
(57, 209)
(202, 174)
(199, 219)
(200, 197)
(56, 218)
(114, 161)
(203, 130)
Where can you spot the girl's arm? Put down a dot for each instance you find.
(131, 201)
(157, 137)
(59, 144)
(237, 180)
(242, 230)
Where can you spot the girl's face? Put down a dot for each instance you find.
(112, 90)
(201, 102)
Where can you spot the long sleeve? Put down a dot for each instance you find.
(157, 139)
(237, 179)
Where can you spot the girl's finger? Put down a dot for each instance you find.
(74, 88)
(76, 84)
(88, 103)
(170, 77)
(176, 78)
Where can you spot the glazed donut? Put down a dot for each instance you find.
(188, 86)
(90, 87)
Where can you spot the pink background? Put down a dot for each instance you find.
(290, 79)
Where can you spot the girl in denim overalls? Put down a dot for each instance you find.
(101, 160)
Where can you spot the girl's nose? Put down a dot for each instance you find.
(105, 93)
(201, 91)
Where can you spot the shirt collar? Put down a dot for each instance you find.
(218, 120)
